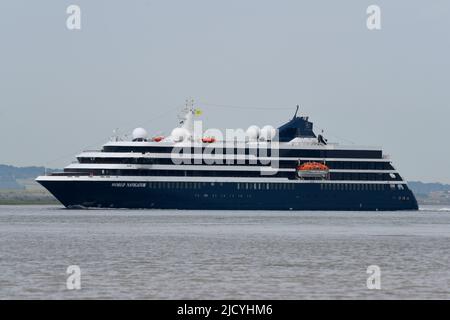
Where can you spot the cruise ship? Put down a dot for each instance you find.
(289, 168)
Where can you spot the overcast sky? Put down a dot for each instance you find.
(134, 62)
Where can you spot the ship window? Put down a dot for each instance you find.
(267, 186)
(400, 187)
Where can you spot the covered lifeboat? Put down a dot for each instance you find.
(313, 170)
(208, 139)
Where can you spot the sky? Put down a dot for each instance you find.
(133, 64)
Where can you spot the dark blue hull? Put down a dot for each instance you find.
(226, 196)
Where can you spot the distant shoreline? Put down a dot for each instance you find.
(28, 202)
(18, 187)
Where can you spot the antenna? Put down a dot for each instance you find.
(115, 136)
(295, 115)
(188, 108)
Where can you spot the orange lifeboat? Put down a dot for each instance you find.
(158, 138)
(310, 166)
(208, 139)
(313, 170)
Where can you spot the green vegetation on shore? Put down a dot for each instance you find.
(19, 202)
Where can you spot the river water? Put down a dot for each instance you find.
(169, 254)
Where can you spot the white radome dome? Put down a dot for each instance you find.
(140, 134)
(253, 133)
(179, 134)
(267, 133)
